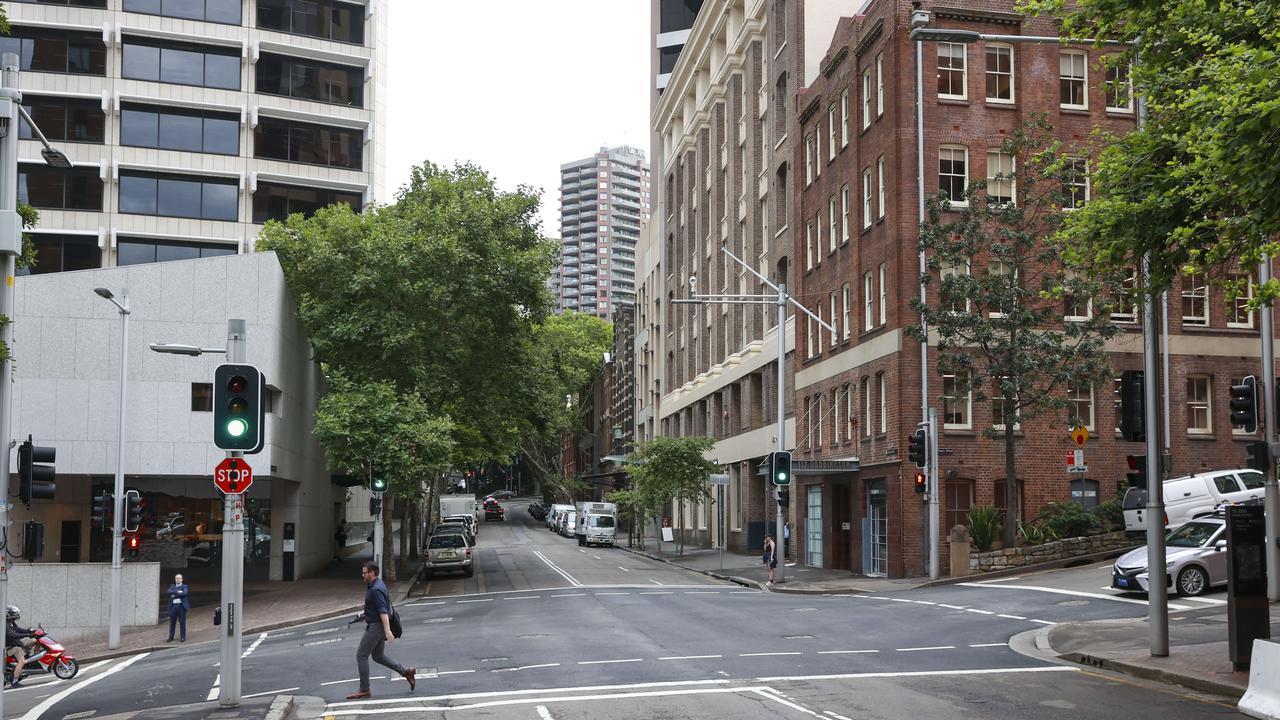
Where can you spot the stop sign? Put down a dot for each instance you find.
(233, 475)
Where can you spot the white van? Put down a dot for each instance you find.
(1192, 496)
(553, 517)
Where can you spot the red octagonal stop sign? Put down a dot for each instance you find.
(233, 475)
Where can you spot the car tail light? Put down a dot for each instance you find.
(1166, 519)
(468, 552)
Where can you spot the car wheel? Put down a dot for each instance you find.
(1192, 581)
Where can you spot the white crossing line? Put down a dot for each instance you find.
(572, 580)
(570, 595)
(952, 607)
(270, 692)
(701, 592)
(836, 715)
(980, 612)
(905, 600)
(543, 713)
(1206, 601)
(690, 657)
(988, 644)
(454, 672)
(766, 654)
(934, 647)
(322, 642)
(437, 620)
(523, 597)
(1072, 593)
(474, 601)
(845, 652)
(596, 557)
(656, 592)
(254, 646)
(1011, 617)
(1045, 622)
(609, 662)
(924, 602)
(613, 593)
(321, 632)
(438, 602)
(655, 582)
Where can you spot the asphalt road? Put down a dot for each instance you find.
(546, 629)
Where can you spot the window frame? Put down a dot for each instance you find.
(1190, 292)
(1234, 305)
(808, 160)
(1197, 405)
(866, 98)
(880, 187)
(844, 119)
(868, 304)
(1073, 397)
(847, 296)
(832, 239)
(953, 399)
(881, 389)
(1001, 399)
(866, 197)
(831, 132)
(844, 214)
(1113, 86)
(1067, 83)
(949, 71)
(989, 74)
(950, 149)
(808, 245)
(880, 85)
(997, 157)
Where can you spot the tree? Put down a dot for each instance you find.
(1012, 319)
(672, 470)
(1195, 186)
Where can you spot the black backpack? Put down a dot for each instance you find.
(394, 619)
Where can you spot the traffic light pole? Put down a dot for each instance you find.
(935, 569)
(9, 247)
(1157, 591)
(377, 533)
(1271, 492)
(117, 497)
(232, 559)
(782, 417)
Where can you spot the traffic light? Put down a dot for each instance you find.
(132, 542)
(783, 495)
(35, 480)
(1133, 414)
(922, 482)
(780, 467)
(100, 517)
(1137, 475)
(32, 540)
(132, 510)
(375, 506)
(1257, 457)
(377, 484)
(238, 408)
(1244, 404)
(918, 447)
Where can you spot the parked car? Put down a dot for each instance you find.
(502, 494)
(447, 552)
(568, 520)
(537, 510)
(1192, 496)
(470, 521)
(1195, 558)
(494, 511)
(461, 525)
(553, 517)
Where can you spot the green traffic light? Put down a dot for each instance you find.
(237, 427)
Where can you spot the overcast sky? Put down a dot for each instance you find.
(516, 87)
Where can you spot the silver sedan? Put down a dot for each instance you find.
(1195, 559)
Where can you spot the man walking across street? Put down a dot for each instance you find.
(377, 632)
(178, 606)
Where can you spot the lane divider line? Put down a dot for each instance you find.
(933, 647)
(572, 580)
(609, 662)
(690, 657)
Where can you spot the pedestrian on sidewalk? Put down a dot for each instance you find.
(786, 541)
(770, 555)
(377, 632)
(178, 606)
(340, 540)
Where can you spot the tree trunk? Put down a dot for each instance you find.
(388, 569)
(415, 509)
(1012, 514)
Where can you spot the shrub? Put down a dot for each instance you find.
(1069, 519)
(984, 524)
(1036, 534)
(1111, 514)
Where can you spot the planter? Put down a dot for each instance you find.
(1048, 552)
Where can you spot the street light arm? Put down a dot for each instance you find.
(180, 349)
(52, 157)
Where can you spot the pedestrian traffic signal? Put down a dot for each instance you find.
(922, 482)
(35, 480)
(918, 447)
(132, 510)
(100, 516)
(1244, 404)
(783, 495)
(375, 506)
(377, 484)
(780, 467)
(1137, 475)
(238, 409)
(132, 542)
(1257, 456)
(1133, 414)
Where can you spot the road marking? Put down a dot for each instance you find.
(523, 597)
(921, 673)
(255, 645)
(623, 569)
(877, 597)
(656, 592)
(932, 647)
(543, 713)
(836, 715)
(744, 592)
(613, 593)
(988, 644)
(1073, 593)
(775, 696)
(655, 582)
(980, 612)
(609, 662)
(270, 692)
(52, 700)
(596, 557)
(701, 592)
(845, 652)
(438, 602)
(84, 714)
(474, 601)
(437, 620)
(1011, 617)
(570, 595)
(690, 657)
(952, 607)
(336, 709)
(767, 654)
(572, 580)
(322, 642)
(901, 600)
(454, 672)
(1043, 622)
(321, 632)
(1206, 601)
(526, 667)
(924, 602)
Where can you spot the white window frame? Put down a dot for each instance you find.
(998, 175)
(869, 300)
(1190, 291)
(1079, 168)
(994, 415)
(866, 406)
(1000, 267)
(949, 151)
(1128, 299)
(1198, 405)
(809, 343)
(844, 214)
(1234, 305)
(808, 425)
(835, 336)
(817, 238)
(882, 388)
(808, 245)
(847, 293)
(884, 306)
(1007, 49)
(1088, 309)
(949, 49)
(1079, 63)
(866, 98)
(947, 271)
(880, 85)
(1113, 75)
(954, 399)
(821, 416)
(849, 416)
(880, 191)
(844, 119)
(832, 238)
(866, 198)
(808, 160)
(1083, 396)
(831, 132)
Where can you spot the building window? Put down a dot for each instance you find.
(879, 84)
(1009, 271)
(192, 131)
(951, 297)
(957, 404)
(850, 420)
(1075, 307)
(880, 192)
(72, 3)
(953, 173)
(1125, 308)
(196, 65)
(820, 417)
(835, 322)
(844, 119)
(835, 417)
(831, 132)
(217, 11)
(817, 149)
(845, 308)
(201, 397)
(832, 237)
(278, 202)
(866, 406)
(1001, 187)
(844, 214)
(1238, 313)
(328, 19)
(1119, 88)
(1199, 419)
(306, 143)
(866, 98)
(63, 253)
(179, 196)
(1003, 408)
(959, 501)
(1081, 409)
(306, 79)
(1076, 184)
(48, 188)
(64, 119)
(1073, 79)
(866, 198)
(868, 299)
(808, 160)
(951, 70)
(999, 73)
(808, 245)
(882, 391)
(140, 252)
(810, 344)
(1195, 300)
(57, 52)
(884, 305)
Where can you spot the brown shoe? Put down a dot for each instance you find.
(411, 676)
(359, 695)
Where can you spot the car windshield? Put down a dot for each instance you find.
(447, 541)
(602, 521)
(1191, 535)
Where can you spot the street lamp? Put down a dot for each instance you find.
(117, 496)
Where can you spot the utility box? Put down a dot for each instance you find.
(1248, 613)
(959, 551)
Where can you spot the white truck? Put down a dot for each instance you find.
(596, 523)
(459, 505)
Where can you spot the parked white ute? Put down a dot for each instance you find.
(596, 523)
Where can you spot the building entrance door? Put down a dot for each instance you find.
(875, 532)
(813, 527)
(841, 527)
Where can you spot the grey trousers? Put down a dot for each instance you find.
(372, 642)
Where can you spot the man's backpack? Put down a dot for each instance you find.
(394, 619)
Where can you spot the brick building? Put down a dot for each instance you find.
(858, 391)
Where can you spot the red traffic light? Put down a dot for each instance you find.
(133, 542)
(237, 384)
(921, 482)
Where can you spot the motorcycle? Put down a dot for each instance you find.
(47, 656)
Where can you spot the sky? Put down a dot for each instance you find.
(517, 88)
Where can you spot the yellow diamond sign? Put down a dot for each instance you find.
(1080, 435)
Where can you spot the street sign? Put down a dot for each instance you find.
(1075, 462)
(1080, 435)
(233, 475)
(718, 479)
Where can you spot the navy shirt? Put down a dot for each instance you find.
(376, 601)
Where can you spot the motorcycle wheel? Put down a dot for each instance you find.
(8, 674)
(66, 668)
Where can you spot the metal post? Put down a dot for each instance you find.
(117, 498)
(232, 559)
(782, 415)
(1157, 592)
(377, 532)
(1271, 496)
(935, 567)
(8, 204)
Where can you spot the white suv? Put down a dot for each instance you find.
(1193, 496)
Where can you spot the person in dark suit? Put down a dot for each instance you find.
(178, 606)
